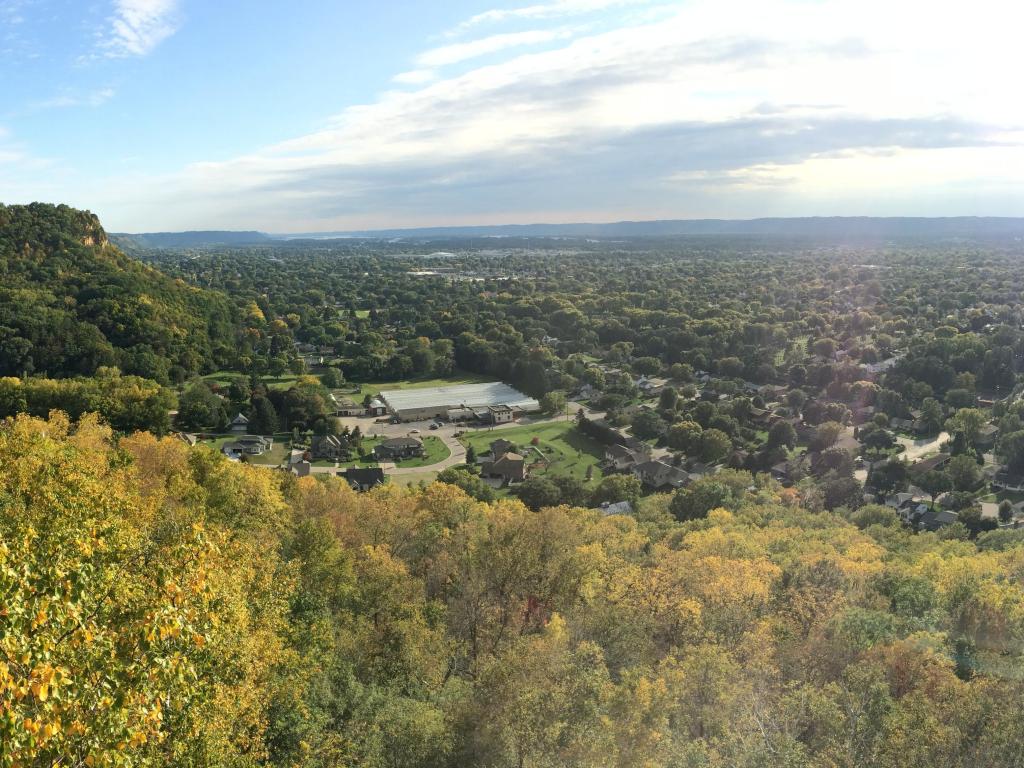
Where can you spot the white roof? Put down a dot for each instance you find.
(459, 395)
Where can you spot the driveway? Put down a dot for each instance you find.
(916, 449)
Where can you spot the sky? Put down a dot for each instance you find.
(330, 115)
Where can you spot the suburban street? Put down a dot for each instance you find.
(372, 426)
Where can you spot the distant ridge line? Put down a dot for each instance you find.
(810, 226)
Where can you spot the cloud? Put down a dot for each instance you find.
(65, 100)
(561, 8)
(710, 111)
(138, 26)
(459, 52)
(415, 77)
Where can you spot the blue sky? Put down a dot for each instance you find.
(326, 115)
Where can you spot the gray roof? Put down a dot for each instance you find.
(459, 395)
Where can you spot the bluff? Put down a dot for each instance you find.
(71, 302)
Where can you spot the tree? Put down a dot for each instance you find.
(685, 436)
(199, 408)
(616, 488)
(931, 415)
(967, 422)
(1005, 511)
(467, 481)
(332, 378)
(668, 399)
(782, 433)
(696, 501)
(714, 445)
(471, 455)
(934, 482)
(553, 402)
(263, 420)
(648, 425)
(538, 492)
(964, 473)
(1011, 448)
(825, 435)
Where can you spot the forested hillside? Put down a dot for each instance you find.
(163, 606)
(71, 303)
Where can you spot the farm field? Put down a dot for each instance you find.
(567, 451)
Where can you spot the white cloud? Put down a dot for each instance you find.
(138, 26)
(415, 77)
(560, 8)
(459, 52)
(91, 99)
(711, 111)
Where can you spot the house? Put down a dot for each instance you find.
(188, 439)
(346, 406)
(251, 445)
(510, 467)
(364, 478)
(761, 417)
(239, 425)
(925, 519)
(936, 462)
(1007, 481)
(650, 385)
(500, 414)
(330, 447)
(501, 446)
(377, 407)
(659, 476)
(986, 437)
(399, 448)
(618, 508)
(301, 468)
(620, 458)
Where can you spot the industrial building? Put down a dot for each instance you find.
(493, 402)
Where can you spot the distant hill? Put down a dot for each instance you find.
(187, 239)
(71, 302)
(827, 227)
(822, 227)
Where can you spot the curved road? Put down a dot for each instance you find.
(369, 426)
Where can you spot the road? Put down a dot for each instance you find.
(370, 426)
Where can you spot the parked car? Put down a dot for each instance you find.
(435, 425)
(414, 431)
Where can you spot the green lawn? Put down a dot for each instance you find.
(276, 455)
(568, 451)
(362, 313)
(434, 450)
(224, 378)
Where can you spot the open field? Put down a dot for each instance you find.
(224, 378)
(567, 451)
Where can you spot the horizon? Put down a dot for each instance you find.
(321, 117)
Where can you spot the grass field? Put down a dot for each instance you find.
(274, 382)
(568, 451)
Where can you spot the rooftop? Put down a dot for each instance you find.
(466, 395)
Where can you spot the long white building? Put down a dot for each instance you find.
(494, 397)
